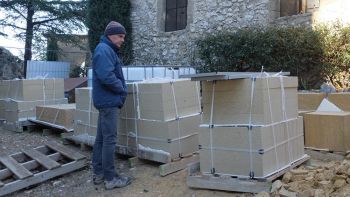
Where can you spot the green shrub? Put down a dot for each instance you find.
(336, 47)
(306, 53)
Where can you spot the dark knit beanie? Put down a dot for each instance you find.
(114, 28)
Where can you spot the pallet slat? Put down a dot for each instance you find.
(41, 158)
(30, 165)
(20, 171)
(65, 151)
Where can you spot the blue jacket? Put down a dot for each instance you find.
(108, 84)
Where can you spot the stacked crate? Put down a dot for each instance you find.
(250, 126)
(19, 98)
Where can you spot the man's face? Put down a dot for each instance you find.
(117, 39)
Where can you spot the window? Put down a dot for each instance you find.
(176, 15)
(292, 7)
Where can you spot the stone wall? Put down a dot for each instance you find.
(152, 45)
(318, 11)
(301, 20)
(10, 65)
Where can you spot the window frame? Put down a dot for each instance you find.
(178, 9)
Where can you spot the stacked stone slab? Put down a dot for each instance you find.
(59, 116)
(150, 118)
(327, 130)
(86, 115)
(162, 115)
(250, 126)
(19, 98)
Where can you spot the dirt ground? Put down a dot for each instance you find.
(147, 181)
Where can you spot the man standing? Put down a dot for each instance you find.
(109, 93)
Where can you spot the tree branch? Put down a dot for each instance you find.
(45, 21)
(12, 25)
(18, 12)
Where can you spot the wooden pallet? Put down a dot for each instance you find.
(229, 183)
(33, 166)
(19, 126)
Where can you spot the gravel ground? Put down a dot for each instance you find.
(147, 180)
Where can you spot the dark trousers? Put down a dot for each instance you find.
(103, 155)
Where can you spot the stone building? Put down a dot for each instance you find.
(165, 31)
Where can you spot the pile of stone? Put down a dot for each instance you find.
(328, 179)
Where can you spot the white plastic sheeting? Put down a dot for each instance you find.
(47, 69)
(140, 73)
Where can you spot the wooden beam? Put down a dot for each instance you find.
(153, 156)
(175, 166)
(134, 161)
(41, 158)
(65, 151)
(16, 168)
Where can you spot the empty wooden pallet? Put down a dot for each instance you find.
(33, 166)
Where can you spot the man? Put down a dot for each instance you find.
(109, 93)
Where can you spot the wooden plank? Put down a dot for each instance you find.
(134, 161)
(51, 125)
(17, 169)
(226, 183)
(153, 155)
(30, 165)
(65, 151)
(41, 177)
(41, 158)
(172, 167)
